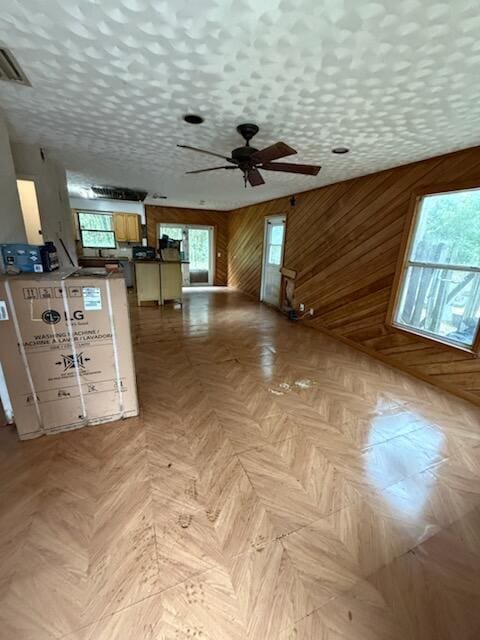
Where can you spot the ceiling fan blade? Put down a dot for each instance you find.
(255, 177)
(210, 153)
(212, 169)
(306, 169)
(275, 151)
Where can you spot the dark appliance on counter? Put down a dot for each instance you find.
(169, 243)
(144, 253)
(30, 258)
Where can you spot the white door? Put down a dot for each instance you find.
(272, 260)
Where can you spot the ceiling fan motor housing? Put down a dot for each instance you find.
(242, 154)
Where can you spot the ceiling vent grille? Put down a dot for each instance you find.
(119, 193)
(10, 70)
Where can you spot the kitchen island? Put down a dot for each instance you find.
(158, 280)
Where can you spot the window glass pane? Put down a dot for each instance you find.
(274, 254)
(276, 234)
(198, 247)
(448, 229)
(175, 233)
(98, 221)
(441, 302)
(99, 239)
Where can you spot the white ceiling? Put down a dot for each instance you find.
(396, 81)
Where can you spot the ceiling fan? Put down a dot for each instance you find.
(249, 160)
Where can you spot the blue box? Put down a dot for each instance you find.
(26, 257)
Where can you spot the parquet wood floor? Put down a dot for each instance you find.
(276, 486)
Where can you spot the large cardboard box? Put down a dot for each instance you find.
(66, 351)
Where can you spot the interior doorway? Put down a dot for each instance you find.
(31, 215)
(196, 250)
(273, 245)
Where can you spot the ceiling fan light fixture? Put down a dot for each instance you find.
(193, 118)
(340, 150)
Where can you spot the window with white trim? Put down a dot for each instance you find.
(96, 230)
(439, 293)
(275, 245)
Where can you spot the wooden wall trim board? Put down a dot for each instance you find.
(219, 220)
(345, 241)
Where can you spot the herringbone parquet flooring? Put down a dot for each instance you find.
(276, 486)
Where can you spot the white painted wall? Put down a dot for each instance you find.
(12, 228)
(53, 202)
(119, 206)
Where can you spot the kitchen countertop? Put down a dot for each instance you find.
(103, 258)
(140, 260)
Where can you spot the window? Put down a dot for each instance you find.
(276, 244)
(96, 230)
(199, 249)
(439, 293)
(174, 233)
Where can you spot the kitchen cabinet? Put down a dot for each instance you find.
(127, 227)
(157, 281)
(171, 280)
(133, 228)
(120, 227)
(147, 282)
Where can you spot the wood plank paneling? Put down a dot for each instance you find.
(245, 244)
(217, 219)
(344, 242)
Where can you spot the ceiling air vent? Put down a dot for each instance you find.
(10, 70)
(119, 193)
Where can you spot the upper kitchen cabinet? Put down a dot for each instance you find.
(133, 228)
(127, 227)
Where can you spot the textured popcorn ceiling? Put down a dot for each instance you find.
(394, 81)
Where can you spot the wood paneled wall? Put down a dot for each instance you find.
(219, 220)
(344, 242)
(245, 244)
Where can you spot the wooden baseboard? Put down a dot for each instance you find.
(464, 395)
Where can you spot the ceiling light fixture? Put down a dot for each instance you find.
(191, 118)
(340, 150)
